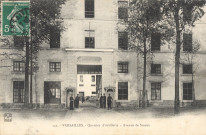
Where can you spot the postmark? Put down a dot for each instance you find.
(15, 18)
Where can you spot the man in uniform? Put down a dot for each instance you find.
(76, 102)
(104, 101)
(109, 102)
(71, 103)
(101, 101)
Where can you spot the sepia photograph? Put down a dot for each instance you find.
(102, 67)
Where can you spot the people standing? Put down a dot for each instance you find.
(101, 101)
(83, 99)
(104, 101)
(109, 102)
(71, 103)
(76, 101)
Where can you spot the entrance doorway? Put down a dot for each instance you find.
(89, 82)
(52, 92)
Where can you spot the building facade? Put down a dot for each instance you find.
(92, 57)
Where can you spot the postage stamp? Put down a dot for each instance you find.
(15, 18)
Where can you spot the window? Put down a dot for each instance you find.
(55, 66)
(54, 38)
(122, 10)
(89, 69)
(187, 68)
(93, 78)
(89, 8)
(18, 41)
(187, 91)
(18, 66)
(156, 91)
(187, 42)
(122, 90)
(123, 40)
(155, 68)
(122, 67)
(18, 91)
(122, 13)
(89, 39)
(187, 14)
(155, 42)
(81, 78)
(55, 93)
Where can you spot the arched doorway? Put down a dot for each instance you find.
(110, 91)
(69, 93)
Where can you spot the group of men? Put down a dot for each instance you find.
(74, 103)
(103, 101)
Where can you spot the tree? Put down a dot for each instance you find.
(146, 20)
(184, 13)
(44, 17)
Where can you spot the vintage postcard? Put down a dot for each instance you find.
(119, 67)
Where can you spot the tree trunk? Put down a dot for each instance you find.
(177, 62)
(144, 77)
(31, 74)
(193, 89)
(26, 96)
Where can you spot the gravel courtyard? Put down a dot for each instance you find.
(90, 119)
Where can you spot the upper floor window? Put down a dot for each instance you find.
(122, 90)
(155, 42)
(89, 8)
(89, 39)
(155, 68)
(93, 78)
(18, 66)
(187, 13)
(187, 68)
(19, 41)
(55, 66)
(123, 40)
(81, 78)
(187, 42)
(187, 91)
(122, 67)
(122, 10)
(54, 38)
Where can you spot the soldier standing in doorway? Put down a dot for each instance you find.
(109, 102)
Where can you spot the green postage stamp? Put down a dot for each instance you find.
(15, 18)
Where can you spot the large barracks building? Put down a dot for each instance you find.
(92, 57)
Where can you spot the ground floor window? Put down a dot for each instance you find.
(122, 90)
(156, 91)
(18, 91)
(187, 91)
(52, 92)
